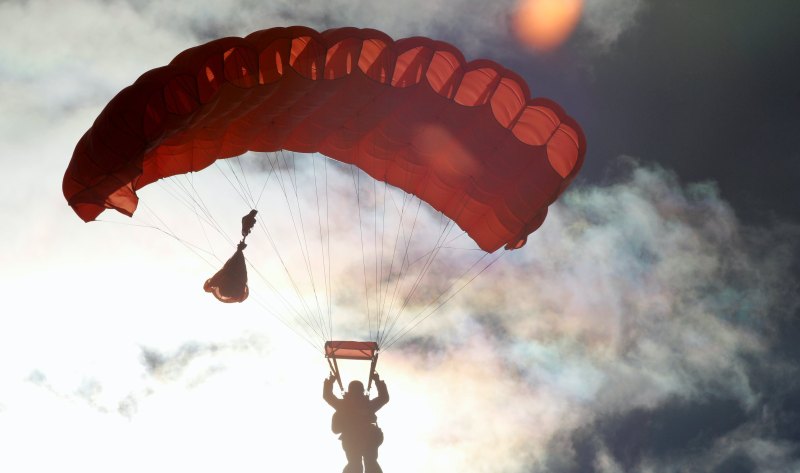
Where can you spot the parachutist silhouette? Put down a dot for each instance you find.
(357, 423)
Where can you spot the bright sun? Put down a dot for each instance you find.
(546, 24)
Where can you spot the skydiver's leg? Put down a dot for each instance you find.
(371, 460)
(352, 451)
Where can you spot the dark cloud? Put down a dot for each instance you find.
(647, 314)
(777, 382)
(671, 432)
(158, 363)
(738, 462)
(709, 89)
(172, 365)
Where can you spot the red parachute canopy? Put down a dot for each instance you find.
(464, 137)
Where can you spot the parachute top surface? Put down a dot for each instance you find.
(465, 137)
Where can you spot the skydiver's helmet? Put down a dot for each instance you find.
(355, 389)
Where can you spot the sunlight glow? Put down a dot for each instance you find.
(545, 24)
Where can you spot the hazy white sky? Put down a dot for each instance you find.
(632, 294)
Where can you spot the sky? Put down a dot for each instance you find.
(650, 325)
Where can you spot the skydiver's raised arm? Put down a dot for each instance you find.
(327, 392)
(383, 393)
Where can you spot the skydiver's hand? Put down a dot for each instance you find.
(330, 379)
(376, 377)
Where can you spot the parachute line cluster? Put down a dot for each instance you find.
(405, 252)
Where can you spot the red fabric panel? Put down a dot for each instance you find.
(464, 137)
(349, 350)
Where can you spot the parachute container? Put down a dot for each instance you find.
(351, 350)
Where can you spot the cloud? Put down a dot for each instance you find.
(607, 20)
(632, 318)
(477, 27)
(467, 22)
(642, 301)
(625, 335)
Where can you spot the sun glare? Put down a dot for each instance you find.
(545, 24)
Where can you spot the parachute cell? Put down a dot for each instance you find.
(464, 137)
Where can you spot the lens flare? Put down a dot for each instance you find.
(546, 24)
